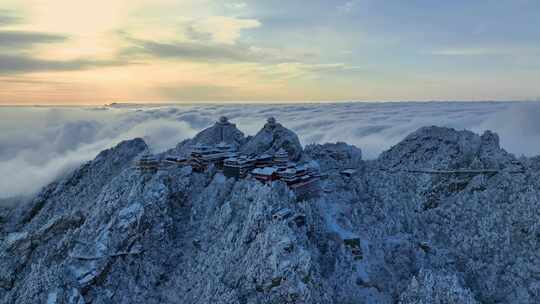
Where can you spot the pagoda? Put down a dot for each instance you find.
(147, 163)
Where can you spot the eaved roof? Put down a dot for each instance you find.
(290, 170)
(281, 151)
(224, 145)
(201, 146)
(264, 171)
(302, 167)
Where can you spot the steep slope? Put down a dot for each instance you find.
(334, 155)
(477, 227)
(111, 234)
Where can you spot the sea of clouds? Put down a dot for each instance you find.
(39, 144)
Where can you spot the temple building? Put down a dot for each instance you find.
(223, 120)
(198, 153)
(238, 167)
(203, 156)
(147, 162)
(282, 214)
(281, 158)
(270, 122)
(302, 179)
(306, 187)
(264, 160)
(201, 149)
(292, 175)
(265, 175)
(225, 147)
(348, 173)
(354, 244)
(176, 160)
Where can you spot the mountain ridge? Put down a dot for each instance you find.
(110, 234)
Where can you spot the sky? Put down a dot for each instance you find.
(102, 51)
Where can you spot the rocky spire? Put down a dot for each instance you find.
(273, 137)
(222, 131)
(271, 122)
(223, 120)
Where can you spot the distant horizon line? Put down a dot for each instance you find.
(227, 103)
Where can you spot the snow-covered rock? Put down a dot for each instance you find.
(111, 234)
(272, 137)
(430, 288)
(336, 155)
(444, 148)
(222, 131)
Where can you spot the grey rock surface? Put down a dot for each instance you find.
(110, 234)
(272, 137)
(334, 155)
(221, 131)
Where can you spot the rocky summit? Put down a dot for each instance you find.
(444, 216)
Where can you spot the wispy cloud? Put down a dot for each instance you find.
(77, 42)
(493, 50)
(221, 29)
(17, 64)
(236, 5)
(17, 40)
(349, 6)
(194, 51)
(202, 49)
(17, 51)
(8, 17)
(468, 52)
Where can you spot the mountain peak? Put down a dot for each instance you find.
(108, 233)
(222, 131)
(136, 145)
(446, 148)
(273, 137)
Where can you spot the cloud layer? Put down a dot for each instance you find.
(273, 50)
(18, 39)
(37, 145)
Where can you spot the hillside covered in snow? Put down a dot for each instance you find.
(444, 216)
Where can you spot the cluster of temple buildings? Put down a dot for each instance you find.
(303, 179)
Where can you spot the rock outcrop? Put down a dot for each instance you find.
(222, 131)
(111, 234)
(272, 137)
(335, 156)
(430, 288)
(443, 148)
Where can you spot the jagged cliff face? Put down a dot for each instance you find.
(111, 234)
